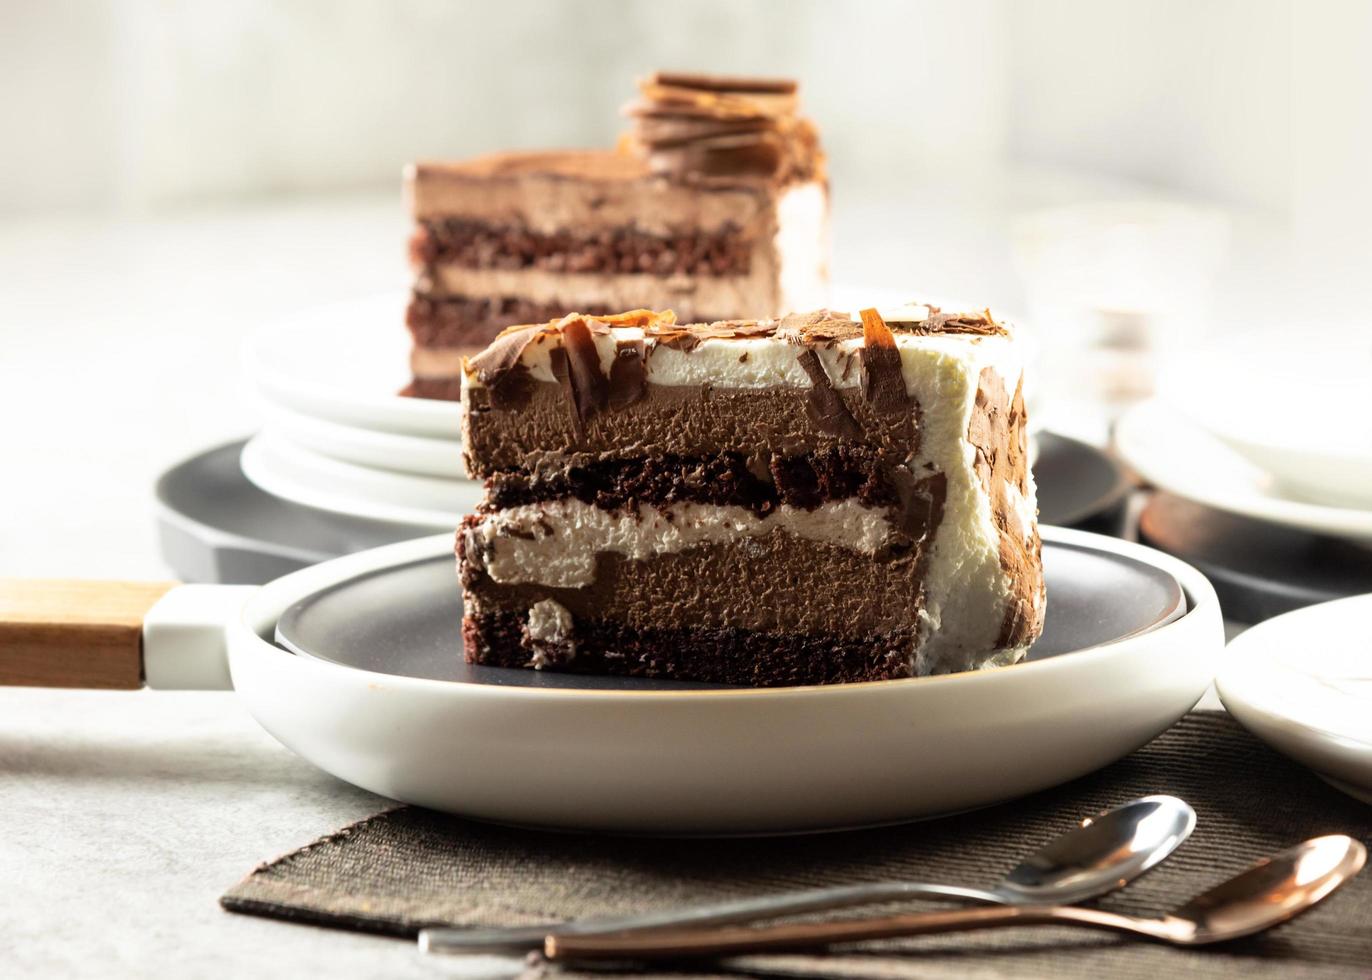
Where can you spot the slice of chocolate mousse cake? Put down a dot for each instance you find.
(805, 500)
(715, 204)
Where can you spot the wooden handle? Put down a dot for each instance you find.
(68, 633)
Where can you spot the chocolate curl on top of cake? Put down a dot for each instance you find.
(723, 126)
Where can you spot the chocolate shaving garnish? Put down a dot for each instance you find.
(716, 97)
(883, 383)
(660, 131)
(638, 318)
(719, 126)
(557, 362)
(687, 337)
(996, 430)
(822, 328)
(982, 324)
(823, 402)
(750, 328)
(921, 506)
(589, 386)
(679, 339)
(503, 353)
(511, 390)
(627, 376)
(726, 83)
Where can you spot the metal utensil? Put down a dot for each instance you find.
(1102, 854)
(1270, 892)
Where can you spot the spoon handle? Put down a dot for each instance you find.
(809, 935)
(521, 939)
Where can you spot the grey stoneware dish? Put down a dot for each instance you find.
(356, 665)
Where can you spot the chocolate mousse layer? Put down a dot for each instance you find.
(777, 583)
(502, 429)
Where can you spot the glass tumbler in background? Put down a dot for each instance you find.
(1111, 286)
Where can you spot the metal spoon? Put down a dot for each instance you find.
(1087, 861)
(1268, 893)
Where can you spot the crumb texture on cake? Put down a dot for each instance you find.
(810, 482)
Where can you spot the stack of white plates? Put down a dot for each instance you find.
(1270, 426)
(338, 436)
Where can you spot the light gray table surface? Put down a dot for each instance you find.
(124, 816)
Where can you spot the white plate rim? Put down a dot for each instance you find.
(1190, 380)
(314, 396)
(302, 429)
(1248, 662)
(1148, 421)
(260, 463)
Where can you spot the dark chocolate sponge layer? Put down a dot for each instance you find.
(718, 656)
(727, 478)
(626, 249)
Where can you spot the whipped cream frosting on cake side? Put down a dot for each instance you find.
(810, 499)
(715, 204)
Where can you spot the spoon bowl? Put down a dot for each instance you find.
(1273, 890)
(1102, 854)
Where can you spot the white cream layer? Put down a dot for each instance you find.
(930, 364)
(556, 543)
(691, 295)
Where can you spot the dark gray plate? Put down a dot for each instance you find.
(1259, 570)
(215, 526)
(407, 621)
(1079, 485)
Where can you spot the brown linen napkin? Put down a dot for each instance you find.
(407, 868)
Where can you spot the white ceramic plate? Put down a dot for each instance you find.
(345, 363)
(1298, 411)
(294, 473)
(1302, 682)
(417, 455)
(663, 758)
(1173, 452)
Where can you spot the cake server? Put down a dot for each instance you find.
(1271, 892)
(1093, 859)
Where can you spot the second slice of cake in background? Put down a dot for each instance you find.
(804, 500)
(715, 205)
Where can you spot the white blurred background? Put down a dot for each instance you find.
(135, 108)
(1126, 176)
(134, 105)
